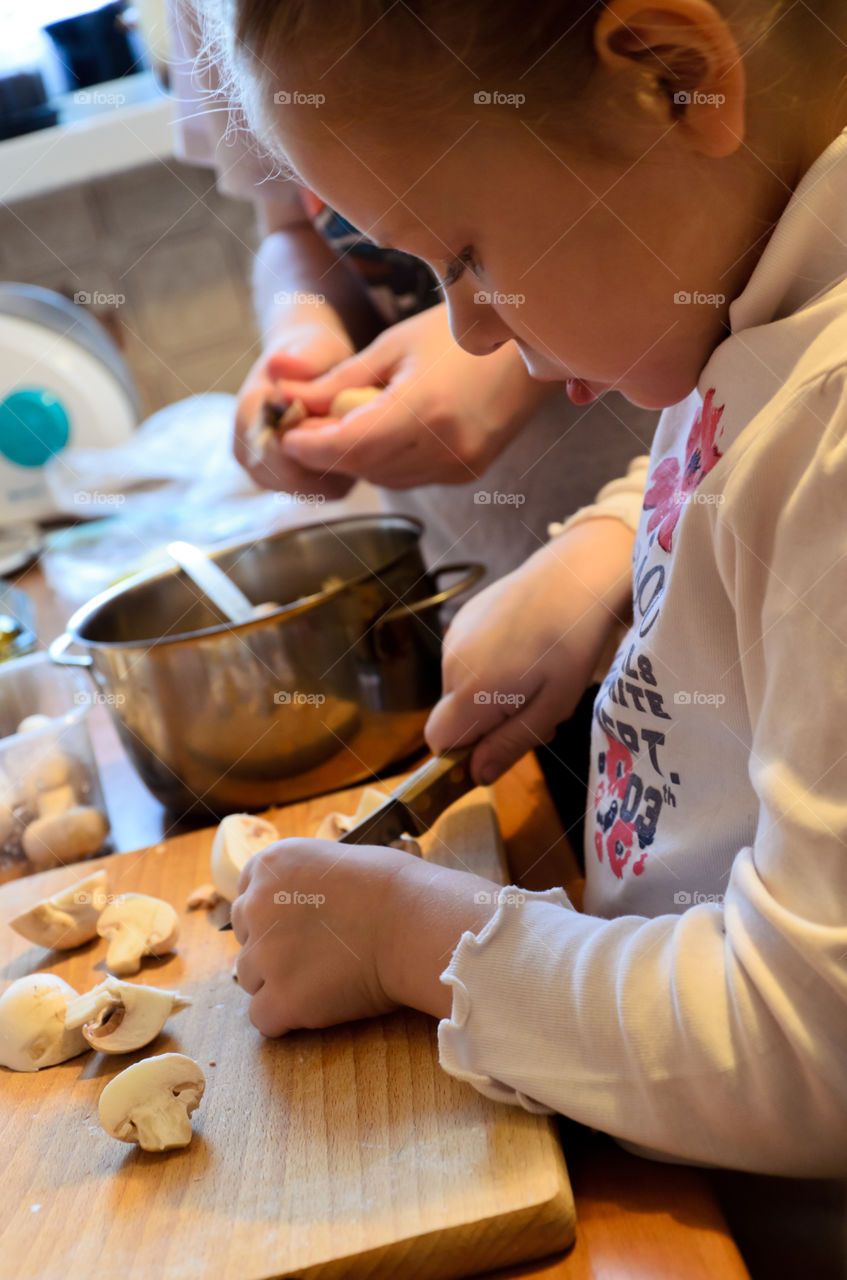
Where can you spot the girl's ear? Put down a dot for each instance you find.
(692, 63)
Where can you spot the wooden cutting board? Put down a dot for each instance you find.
(338, 1153)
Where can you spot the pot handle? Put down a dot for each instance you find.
(58, 655)
(472, 571)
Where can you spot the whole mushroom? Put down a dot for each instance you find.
(152, 1101)
(63, 835)
(33, 1033)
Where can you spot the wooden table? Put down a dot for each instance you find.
(636, 1219)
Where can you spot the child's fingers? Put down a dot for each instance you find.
(455, 721)
(268, 1013)
(250, 977)
(283, 364)
(364, 438)
(361, 370)
(504, 746)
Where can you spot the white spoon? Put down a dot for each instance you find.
(214, 583)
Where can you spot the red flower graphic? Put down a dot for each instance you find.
(668, 490)
(613, 835)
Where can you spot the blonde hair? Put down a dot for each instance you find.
(427, 56)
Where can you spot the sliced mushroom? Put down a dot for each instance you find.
(151, 1102)
(119, 1017)
(353, 398)
(59, 838)
(137, 925)
(205, 896)
(336, 825)
(236, 840)
(68, 918)
(33, 1033)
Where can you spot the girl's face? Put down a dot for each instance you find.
(609, 274)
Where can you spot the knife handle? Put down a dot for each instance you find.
(436, 784)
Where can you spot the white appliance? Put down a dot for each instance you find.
(63, 383)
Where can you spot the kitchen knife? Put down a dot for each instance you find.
(414, 806)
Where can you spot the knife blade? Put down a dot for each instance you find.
(414, 806)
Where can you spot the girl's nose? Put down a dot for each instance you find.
(474, 321)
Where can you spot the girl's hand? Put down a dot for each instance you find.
(443, 417)
(331, 932)
(302, 348)
(520, 654)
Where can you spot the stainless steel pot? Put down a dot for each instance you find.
(333, 685)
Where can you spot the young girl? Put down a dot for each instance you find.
(650, 198)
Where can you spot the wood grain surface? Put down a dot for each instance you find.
(347, 1152)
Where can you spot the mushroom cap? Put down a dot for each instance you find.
(238, 837)
(68, 918)
(59, 838)
(151, 1102)
(137, 925)
(120, 1017)
(32, 1023)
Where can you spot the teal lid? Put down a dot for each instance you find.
(33, 426)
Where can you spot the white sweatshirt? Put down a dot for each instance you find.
(699, 1006)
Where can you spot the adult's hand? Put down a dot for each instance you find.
(302, 349)
(442, 418)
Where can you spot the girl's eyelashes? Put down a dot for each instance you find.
(456, 268)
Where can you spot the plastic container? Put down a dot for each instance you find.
(48, 773)
(17, 628)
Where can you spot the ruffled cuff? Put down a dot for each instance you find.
(472, 973)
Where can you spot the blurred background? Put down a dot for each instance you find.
(95, 207)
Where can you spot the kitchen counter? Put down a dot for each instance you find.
(636, 1219)
(103, 130)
